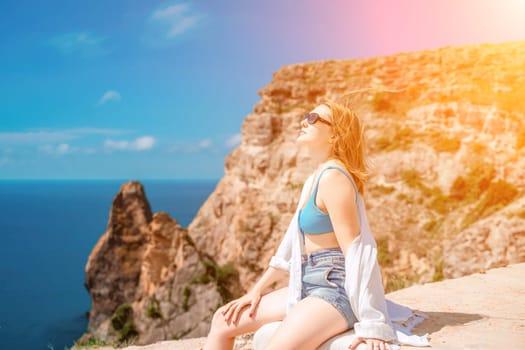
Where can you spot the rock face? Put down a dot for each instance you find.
(446, 143)
(491, 242)
(146, 278)
(114, 266)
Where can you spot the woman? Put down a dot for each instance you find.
(323, 298)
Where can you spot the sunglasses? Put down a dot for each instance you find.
(313, 118)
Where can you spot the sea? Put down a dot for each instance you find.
(47, 231)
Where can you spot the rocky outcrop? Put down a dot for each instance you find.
(446, 132)
(146, 278)
(114, 266)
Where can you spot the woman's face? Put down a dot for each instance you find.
(317, 135)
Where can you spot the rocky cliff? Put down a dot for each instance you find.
(446, 131)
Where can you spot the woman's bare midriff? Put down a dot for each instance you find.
(313, 243)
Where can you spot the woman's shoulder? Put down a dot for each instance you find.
(331, 170)
(336, 178)
(334, 163)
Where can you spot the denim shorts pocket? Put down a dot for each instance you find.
(335, 277)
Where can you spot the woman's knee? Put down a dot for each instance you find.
(218, 323)
(219, 326)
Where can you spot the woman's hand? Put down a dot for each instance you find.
(232, 310)
(373, 344)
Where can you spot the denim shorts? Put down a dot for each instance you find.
(324, 278)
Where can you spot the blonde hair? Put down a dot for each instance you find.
(349, 144)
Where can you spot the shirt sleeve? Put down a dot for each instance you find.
(373, 314)
(281, 259)
(365, 287)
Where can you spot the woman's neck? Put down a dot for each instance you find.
(319, 156)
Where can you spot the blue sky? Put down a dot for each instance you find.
(159, 89)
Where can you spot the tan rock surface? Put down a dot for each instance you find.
(483, 311)
(114, 265)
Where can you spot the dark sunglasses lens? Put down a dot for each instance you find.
(312, 117)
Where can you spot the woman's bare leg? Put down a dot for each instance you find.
(309, 324)
(272, 307)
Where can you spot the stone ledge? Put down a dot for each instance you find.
(483, 311)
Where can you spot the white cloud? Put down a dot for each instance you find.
(144, 143)
(81, 42)
(58, 142)
(234, 140)
(53, 136)
(110, 95)
(98, 131)
(170, 11)
(181, 26)
(192, 146)
(58, 150)
(174, 20)
(88, 150)
(206, 143)
(140, 144)
(34, 137)
(116, 145)
(63, 148)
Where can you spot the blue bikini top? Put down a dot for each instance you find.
(311, 219)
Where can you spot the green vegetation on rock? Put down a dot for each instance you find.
(225, 276)
(446, 144)
(153, 308)
(476, 181)
(402, 139)
(122, 322)
(383, 255)
(399, 282)
(186, 294)
(497, 196)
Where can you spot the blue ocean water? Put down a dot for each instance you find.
(47, 231)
